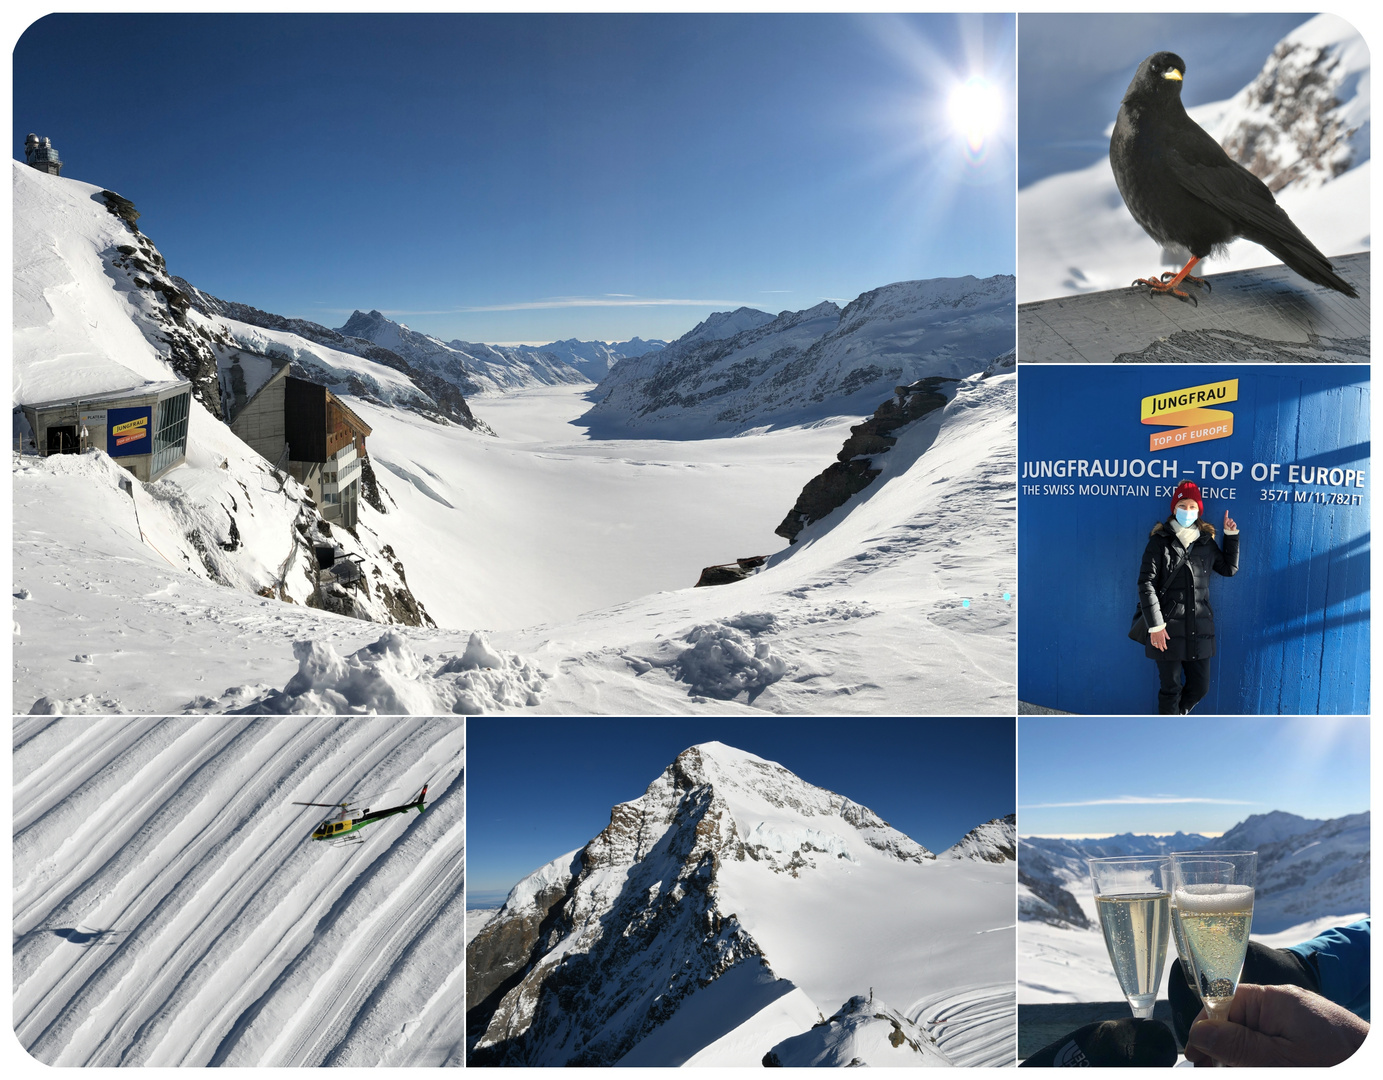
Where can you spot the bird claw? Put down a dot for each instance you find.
(1162, 285)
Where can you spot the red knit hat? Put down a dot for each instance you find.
(1188, 490)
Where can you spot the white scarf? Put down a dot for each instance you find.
(1188, 535)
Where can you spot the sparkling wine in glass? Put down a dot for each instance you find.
(1133, 899)
(1214, 899)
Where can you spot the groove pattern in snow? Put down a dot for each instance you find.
(170, 910)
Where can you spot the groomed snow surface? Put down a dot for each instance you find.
(171, 909)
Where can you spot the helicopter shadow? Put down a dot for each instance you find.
(78, 936)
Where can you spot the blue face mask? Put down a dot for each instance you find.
(1186, 518)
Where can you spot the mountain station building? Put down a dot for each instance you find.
(144, 428)
(300, 426)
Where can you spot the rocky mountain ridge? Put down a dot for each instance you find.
(1301, 121)
(436, 396)
(804, 365)
(473, 367)
(597, 950)
(994, 841)
(1307, 868)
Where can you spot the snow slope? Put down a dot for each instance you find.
(170, 908)
(731, 903)
(1303, 124)
(85, 321)
(865, 614)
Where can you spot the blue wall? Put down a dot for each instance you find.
(1292, 627)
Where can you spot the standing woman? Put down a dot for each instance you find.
(1174, 593)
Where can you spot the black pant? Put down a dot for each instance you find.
(1172, 697)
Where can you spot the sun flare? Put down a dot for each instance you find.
(975, 107)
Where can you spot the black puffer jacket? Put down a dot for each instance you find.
(1185, 606)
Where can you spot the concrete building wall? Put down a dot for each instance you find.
(261, 423)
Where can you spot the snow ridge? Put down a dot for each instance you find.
(805, 365)
(995, 841)
(472, 367)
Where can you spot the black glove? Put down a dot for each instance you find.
(1262, 966)
(1111, 1042)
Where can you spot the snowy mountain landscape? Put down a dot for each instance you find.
(1302, 125)
(1312, 874)
(513, 554)
(736, 915)
(171, 909)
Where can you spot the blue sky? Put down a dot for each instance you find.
(1097, 776)
(537, 789)
(1073, 71)
(526, 178)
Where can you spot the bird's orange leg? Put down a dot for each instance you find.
(1168, 282)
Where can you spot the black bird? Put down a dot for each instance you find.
(1185, 190)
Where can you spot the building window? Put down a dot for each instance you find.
(170, 432)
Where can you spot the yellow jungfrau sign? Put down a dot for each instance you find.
(1190, 414)
(130, 425)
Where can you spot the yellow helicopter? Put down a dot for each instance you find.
(352, 819)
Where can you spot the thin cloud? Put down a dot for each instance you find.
(559, 302)
(1139, 800)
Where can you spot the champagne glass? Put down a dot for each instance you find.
(1214, 902)
(1132, 899)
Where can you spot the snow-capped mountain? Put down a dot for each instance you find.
(994, 841)
(474, 368)
(594, 359)
(94, 311)
(729, 908)
(171, 909)
(1322, 868)
(745, 369)
(327, 356)
(1302, 125)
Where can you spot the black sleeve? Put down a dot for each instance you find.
(1227, 560)
(1147, 584)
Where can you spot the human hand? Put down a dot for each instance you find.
(1230, 524)
(1159, 639)
(1276, 1025)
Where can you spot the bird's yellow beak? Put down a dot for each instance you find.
(1172, 73)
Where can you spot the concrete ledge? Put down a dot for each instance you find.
(1266, 315)
(1039, 1025)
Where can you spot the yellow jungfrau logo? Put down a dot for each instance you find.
(1189, 413)
(130, 425)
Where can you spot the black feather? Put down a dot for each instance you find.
(1184, 190)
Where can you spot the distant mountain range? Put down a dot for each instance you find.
(745, 368)
(1307, 868)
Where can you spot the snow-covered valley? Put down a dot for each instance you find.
(727, 913)
(516, 562)
(171, 909)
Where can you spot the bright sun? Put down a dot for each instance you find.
(976, 108)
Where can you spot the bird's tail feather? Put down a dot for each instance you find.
(1303, 256)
